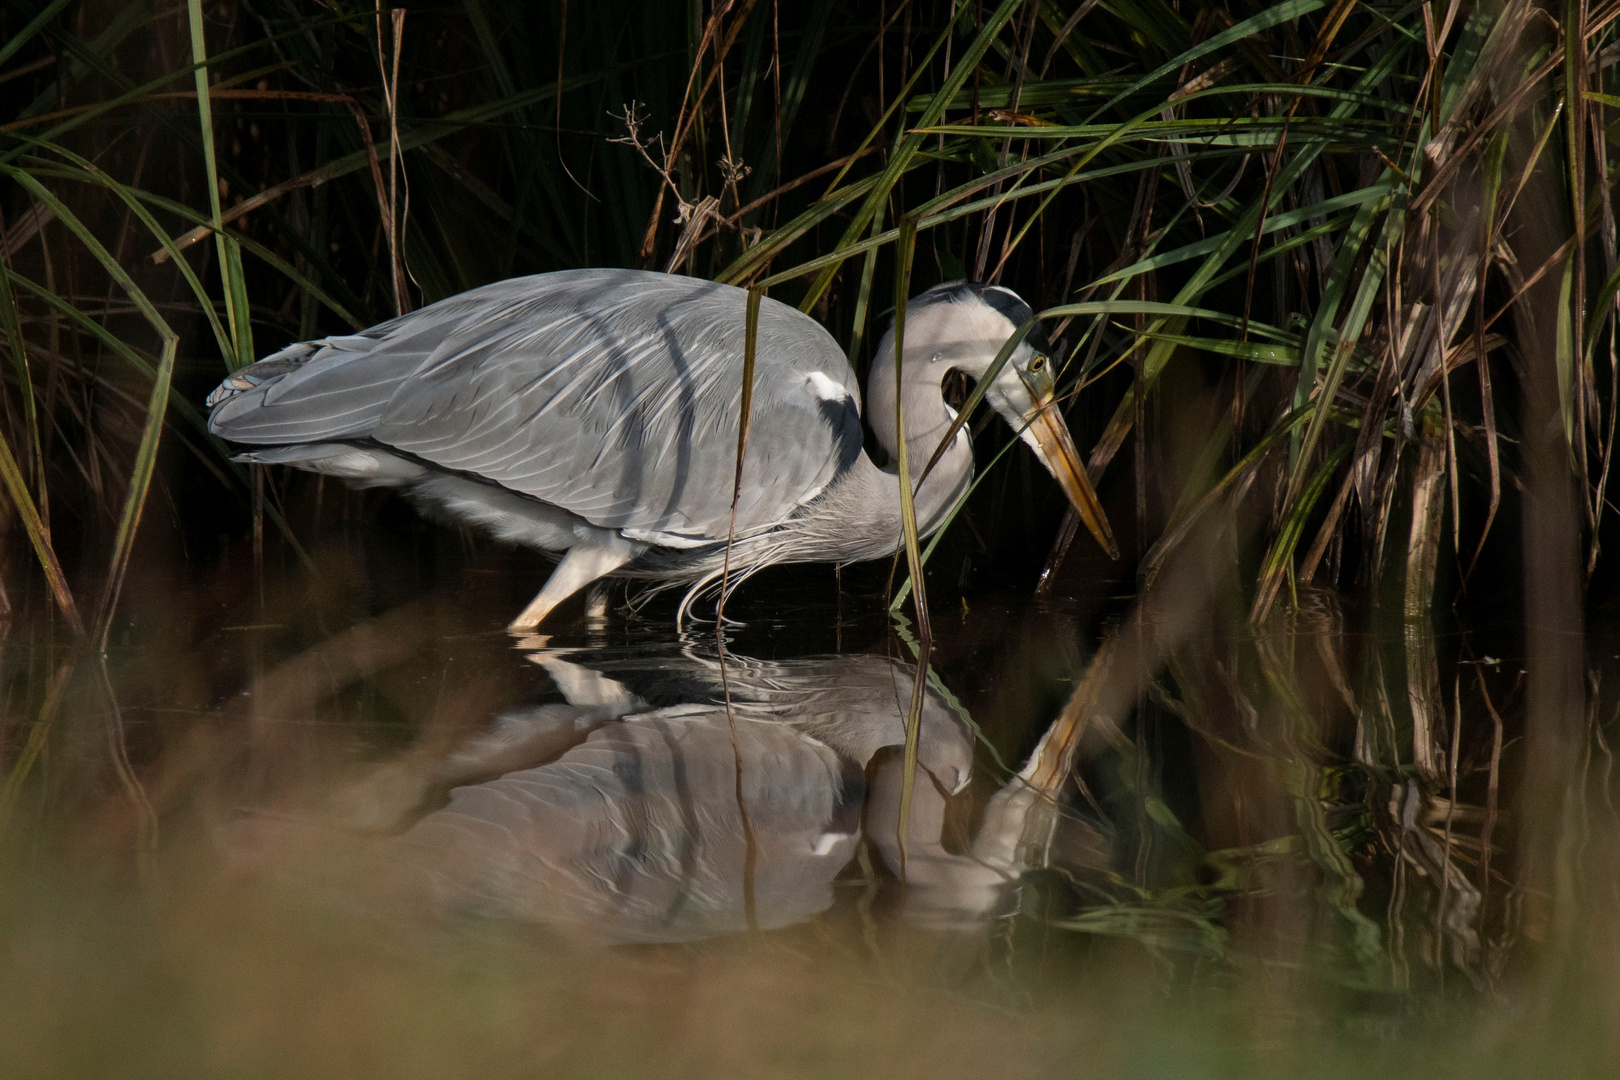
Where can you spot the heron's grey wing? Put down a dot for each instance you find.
(612, 394)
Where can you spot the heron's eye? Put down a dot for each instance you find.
(1037, 365)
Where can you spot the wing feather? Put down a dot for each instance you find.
(612, 394)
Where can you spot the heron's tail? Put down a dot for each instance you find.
(328, 390)
(257, 374)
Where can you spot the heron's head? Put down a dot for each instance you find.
(962, 326)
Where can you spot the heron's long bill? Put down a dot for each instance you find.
(1056, 449)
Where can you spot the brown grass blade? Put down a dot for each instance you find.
(17, 488)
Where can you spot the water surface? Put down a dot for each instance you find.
(332, 820)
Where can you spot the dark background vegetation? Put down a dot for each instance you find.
(1285, 375)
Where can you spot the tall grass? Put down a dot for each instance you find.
(1362, 229)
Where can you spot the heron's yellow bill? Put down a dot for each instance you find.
(1056, 449)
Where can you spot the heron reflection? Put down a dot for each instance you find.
(643, 811)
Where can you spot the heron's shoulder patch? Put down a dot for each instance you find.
(826, 388)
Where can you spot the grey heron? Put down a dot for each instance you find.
(594, 414)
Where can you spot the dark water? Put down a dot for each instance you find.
(332, 820)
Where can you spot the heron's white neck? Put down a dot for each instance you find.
(927, 418)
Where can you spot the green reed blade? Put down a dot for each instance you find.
(146, 453)
(187, 411)
(794, 91)
(754, 78)
(1344, 342)
(758, 254)
(1253, 132)
(857, 334)
(1273, 223)
(1279, 559)
(941, 210)
(905, 250)
(35, 25)
(901, 158)
(89, 173)
(11, 327)
(1201, 280)
(237, 308)
(1271, 15)
(230, 262)
(140, 482)
(38, 734)
(745, 415)
(1322, 332)
(1278, 355)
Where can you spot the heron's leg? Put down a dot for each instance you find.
(596, 600)
(582, 565)
(585, 688)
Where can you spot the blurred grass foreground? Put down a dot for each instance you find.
(1318, 780)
